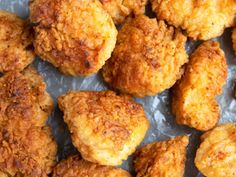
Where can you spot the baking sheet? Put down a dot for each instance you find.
(157, 108)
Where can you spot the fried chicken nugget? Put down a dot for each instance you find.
(193, 99)
(120, 9)
(77, 167)
(201, 19)
(105, 127)
(162, 159)
(15, 43)
(76, 36)
(216, 156)
(26, 144)
(147, 59)
(234, 39)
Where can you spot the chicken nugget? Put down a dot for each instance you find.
(76, 36)
(74, 166)
(15, 43)
(26, 144)
(216, 156)
(147, 59)
(234, 39)
(201, 19)
(162, 159)
(193, 97)
(105, 127)
(120, 9)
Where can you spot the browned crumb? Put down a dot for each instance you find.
(148, 57)
(106, 128)
(77, 167)
(162, 159)
(193, 99)
(76, 36)
(15, 43)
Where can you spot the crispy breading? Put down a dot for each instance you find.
(147, 59)
(162, 159)
(74, 166)
(26, 144)
(105, 127)
(193, 97)
(201, 19)
(76, 36)
(16, 40)
(234, 39)
(216, 156)
(120, 9)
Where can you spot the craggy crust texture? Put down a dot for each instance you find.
(216, 156)
(15, 43)
(26, 145)
(147, 59)
(76, 167)
(120, 9)
(193, 99)
(162, 159)
(105, 127)
(201, 19)
(76, 36)
(234, 39)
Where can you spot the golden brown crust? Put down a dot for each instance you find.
(162, 159)
(105, 127)
(15, 43)
(147, 59)
(193, 99)
(26, 144)
(77, 167)
(216, 156)
(120, 9)
(201, 19)
(76, 36)
(234, 39)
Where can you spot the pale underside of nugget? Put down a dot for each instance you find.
(26, 144)
(216, 156)
(234, 40)
(193, 99)
(105, 127)
(15, 43)
(76, 167)
(120, 9)
(76, 36)
(147, 59)
(162, 159)
(201, 19)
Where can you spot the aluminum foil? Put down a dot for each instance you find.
(157, 108)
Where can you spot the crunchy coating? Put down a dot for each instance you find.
(120, 9)
(76, 36)
(77, 167)
(105, 127)
(147, 59)
(15, 43)
(201, 19)
(234, 39)
(26, 145)
(193, 98)
(162, 159)
(216, 156)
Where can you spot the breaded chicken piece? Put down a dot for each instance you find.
(26, 144)
(15, 43)
(162, 159)
(120, 9)
(193, 97)
(76, 36)
(216, 156)
(234, 39)
(147, 59)
(105, 127)
(201, 19)
(76, 167)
